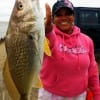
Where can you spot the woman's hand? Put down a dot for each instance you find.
(48, 19)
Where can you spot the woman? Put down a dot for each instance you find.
(71, 69)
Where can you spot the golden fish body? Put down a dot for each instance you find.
(24, 44)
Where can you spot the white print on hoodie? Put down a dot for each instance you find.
(74, 50)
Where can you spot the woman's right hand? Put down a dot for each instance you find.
(48, 19)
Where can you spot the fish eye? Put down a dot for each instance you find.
(19, 6)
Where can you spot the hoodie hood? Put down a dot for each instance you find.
(76, 31)
(71, 39)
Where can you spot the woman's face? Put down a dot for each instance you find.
(64, 20)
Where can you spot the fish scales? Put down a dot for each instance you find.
(24, 44)
(20, 56)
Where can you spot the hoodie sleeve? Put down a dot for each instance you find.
(93, 74)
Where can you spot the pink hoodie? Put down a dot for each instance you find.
(72, 68)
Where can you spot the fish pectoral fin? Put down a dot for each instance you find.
(46, 47)
(36, 47)
(12, 90)
(36, 51)
(34, 38)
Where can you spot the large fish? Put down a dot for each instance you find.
(24, 44)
